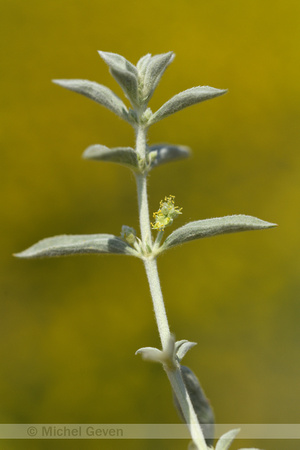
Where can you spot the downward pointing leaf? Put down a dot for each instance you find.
(200, 403)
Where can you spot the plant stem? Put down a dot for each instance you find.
(141, 141)
(141, 182)
(150, 264)
(158, 301)
(175, 376)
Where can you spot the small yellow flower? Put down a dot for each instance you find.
(166, 214)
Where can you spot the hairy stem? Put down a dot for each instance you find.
(141, 141)
(174, 376)
(150, 264)
(158, 301)
(141, 182)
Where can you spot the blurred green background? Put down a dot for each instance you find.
(70, 327)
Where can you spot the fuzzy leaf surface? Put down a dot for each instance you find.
(184, 99)
(65, 245)
(124, 72)
(151, 354)
(125, 156)
(200, 403)
(213, 227)
(168, 153)
(155, 69)
(143, 64)
(99, 93)
(226, 439)
(182, 347)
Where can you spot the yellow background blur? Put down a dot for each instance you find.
(69, 327)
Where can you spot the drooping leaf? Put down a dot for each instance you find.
(77, 245)
(99, 93)
(212, 227)
(200, 403)
(167, 153)
(184, 99)
(124, 73)
(125, 156)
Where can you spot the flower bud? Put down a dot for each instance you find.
(128, 234)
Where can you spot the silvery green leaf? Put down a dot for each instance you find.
(77, 245)
(151, 354)
(212, 227)
(182, 347)
(184, 99)
(142, 64)
(200, 403)
(116, 62)
(226, 439)
(120, 155)
(165, 357)
(167, 153)
(155, 69)
(124, 73)
(100, 94)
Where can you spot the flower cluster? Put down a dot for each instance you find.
(166, 214)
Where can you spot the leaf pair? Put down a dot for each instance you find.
(127, 156)
(138, 84)
(108, 243)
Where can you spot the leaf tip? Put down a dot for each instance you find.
(105, 55)
(62, 83)
(23, 254)
(273, 225)
(269, 224)
(86, 154)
